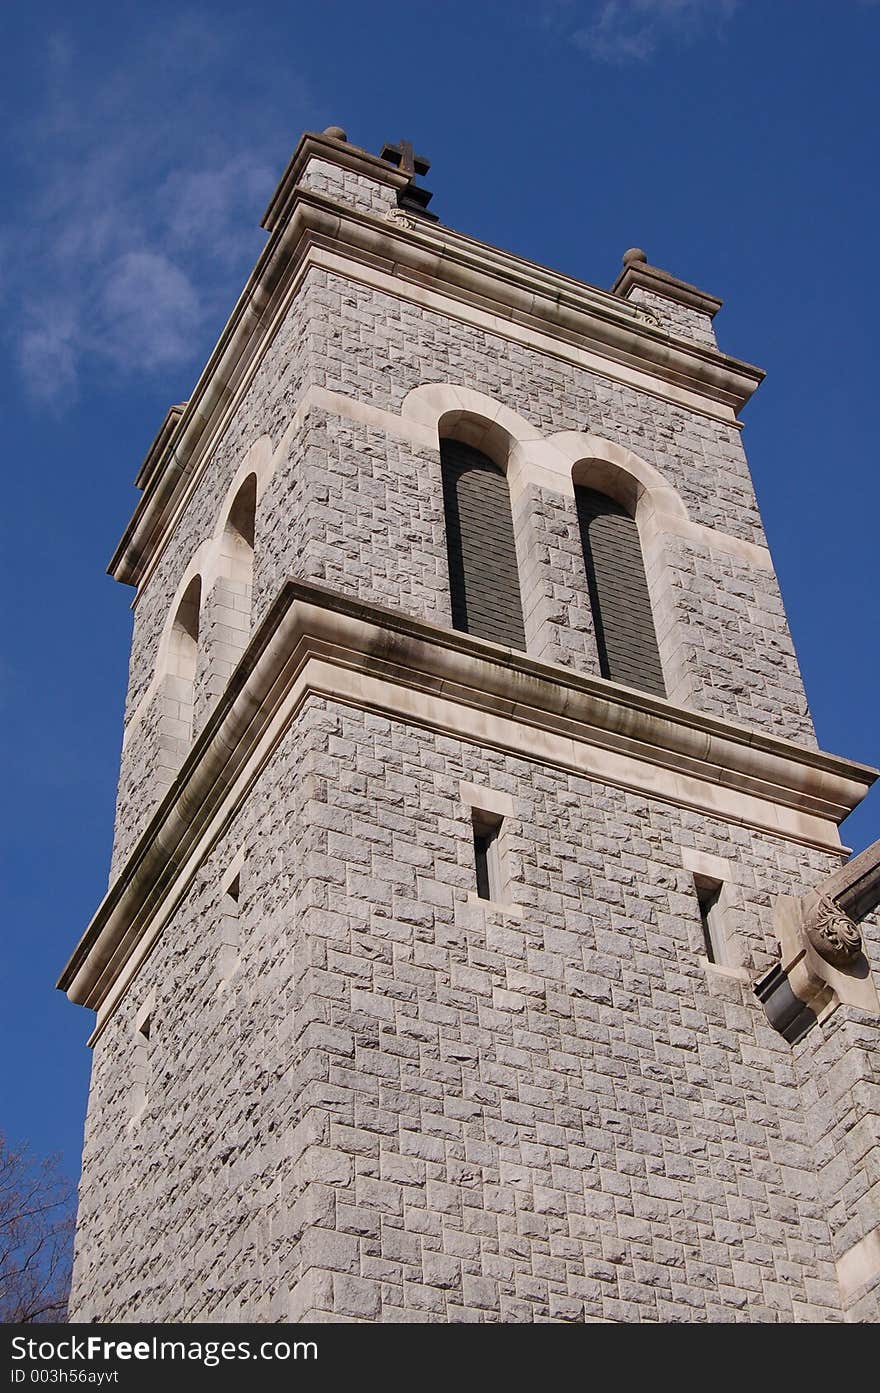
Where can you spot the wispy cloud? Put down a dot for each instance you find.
(630, 31)
(47, 352)
(148, 307)
(139, 217)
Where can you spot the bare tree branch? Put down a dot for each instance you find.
(37, 1215)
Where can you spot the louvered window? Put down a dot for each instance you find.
(483, 576)
(619, 596)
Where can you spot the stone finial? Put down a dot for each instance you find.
(335, 132)
(634, 254)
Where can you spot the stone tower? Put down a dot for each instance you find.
(468, 790)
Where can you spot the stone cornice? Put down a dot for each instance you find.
(520, 290)
(315, 641)
(157, 454)
(419, 254)
(640, 274)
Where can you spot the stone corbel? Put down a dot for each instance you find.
(822, 961)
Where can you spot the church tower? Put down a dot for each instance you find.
(479, 943)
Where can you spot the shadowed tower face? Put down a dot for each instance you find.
(468, 786)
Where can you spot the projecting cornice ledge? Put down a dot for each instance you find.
(523, 292)
(314, 641)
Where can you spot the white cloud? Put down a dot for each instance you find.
(206, 203)
(624, 31)
(47, 356)
(141, 204)
(149, 312)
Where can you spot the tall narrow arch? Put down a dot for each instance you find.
(619, 598)
(483, 574)
(241, 522)
(183, 652)
(237, 543)
(231, 602)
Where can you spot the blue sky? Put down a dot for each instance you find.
(736, 142)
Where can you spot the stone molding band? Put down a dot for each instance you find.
(315, 641)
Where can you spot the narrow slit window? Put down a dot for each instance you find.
(233, 896)
(229, 931)
(487, 859)
(140, 1074)
(708, 897)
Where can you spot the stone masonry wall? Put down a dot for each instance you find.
(840, 1086)
(266, 410)
(677, 319)
(367, 519)
(361, 510)
(738, 650)
(344, 186)
(403, 1103)
(375, 347)
(367, 1094)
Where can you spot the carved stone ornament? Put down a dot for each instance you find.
(832, 933)
(395, 215)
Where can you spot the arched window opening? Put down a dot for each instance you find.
(238, 535)
(183, 656)
(483, 575)
(185, 632)
(232, 600)
(621, 605)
